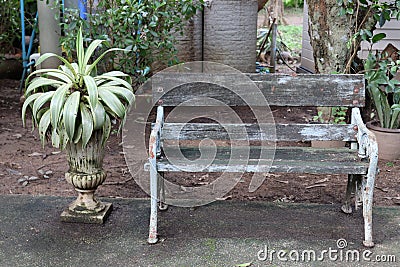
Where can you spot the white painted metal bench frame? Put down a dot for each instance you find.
(361, 185)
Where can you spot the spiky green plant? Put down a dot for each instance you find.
(384, 88)
(72, 101)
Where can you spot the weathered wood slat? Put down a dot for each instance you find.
(258, 132)
(232, 89)
(285, 159)
(305, 154)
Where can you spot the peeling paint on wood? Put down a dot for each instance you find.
(278, 90)
(258, 132)
(258, 159)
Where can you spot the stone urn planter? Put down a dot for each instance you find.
(388, 141)
(86, 174)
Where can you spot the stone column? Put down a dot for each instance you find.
(230, 33)
(49, 31)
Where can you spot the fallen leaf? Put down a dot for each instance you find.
(247, 264)
(224, 198)
(281, 181)
(321, 181)
(35, 154)
(272, 175)
(316, 185)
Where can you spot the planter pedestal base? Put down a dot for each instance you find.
(87, 217)
(86, 208)
(86, 174)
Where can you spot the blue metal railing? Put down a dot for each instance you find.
(26, 53)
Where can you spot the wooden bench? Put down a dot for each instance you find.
(358, 160)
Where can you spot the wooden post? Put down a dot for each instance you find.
(273, 48)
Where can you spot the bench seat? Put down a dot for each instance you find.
(286, 159)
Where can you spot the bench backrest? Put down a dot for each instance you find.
(279, 90)
(173, 90)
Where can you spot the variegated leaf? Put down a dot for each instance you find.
(87, 124)
(41, 82)
(113, 102)
(106, 130)
(78, 134)
(55, 138)
(99, 116)
(126, 94)
(40, 101)
(80, 51)
(90, 50)
(57, 104)
(27, 103)
(44, 125)
(70, 112)
(91, 88)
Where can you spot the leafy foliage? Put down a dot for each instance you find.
(384, 89)
(291, 36)
(364, 15)
(293, 3)
(71, 102)
(142, 27)
(380, 69)
(10, 23)
(289, 39)
(335, 115)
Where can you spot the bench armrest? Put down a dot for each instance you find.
(367, 145)
(155, 135)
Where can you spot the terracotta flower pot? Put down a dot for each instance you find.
(388, 141)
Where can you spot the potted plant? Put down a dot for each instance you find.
(335, 115)
(74, 106)
(384, 89)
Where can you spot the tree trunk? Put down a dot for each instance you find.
(330, 33)
(261, 4)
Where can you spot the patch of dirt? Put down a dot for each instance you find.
(28, 168)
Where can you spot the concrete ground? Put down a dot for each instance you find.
(224, 233)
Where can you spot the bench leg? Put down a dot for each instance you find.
(153, 203)
(346, 208)
(353, 187)
(161, 192)
(358, 200)
(367, 195)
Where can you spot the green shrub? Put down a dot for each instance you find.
(142, 28)
(293, 3)
(10, 23)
